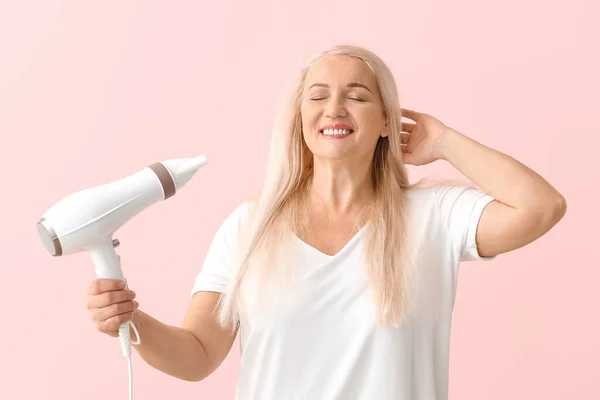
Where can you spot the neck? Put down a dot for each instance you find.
(340, 188)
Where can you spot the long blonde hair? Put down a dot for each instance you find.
(279, 209)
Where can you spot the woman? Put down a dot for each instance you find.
(341, 277)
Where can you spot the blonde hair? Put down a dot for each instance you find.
(283, 199)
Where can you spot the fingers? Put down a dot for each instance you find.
(103, 285)
(113, 312)
(112, 324)
(111, 297)
(404, 138)
(110, 304)
(407, 127)
(109, 319)
(410, 114)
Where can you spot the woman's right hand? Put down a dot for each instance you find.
(111, 305)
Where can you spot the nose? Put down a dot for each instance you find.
(335, 108)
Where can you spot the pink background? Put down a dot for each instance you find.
(91, 92)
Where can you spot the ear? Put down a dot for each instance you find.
(384, 130)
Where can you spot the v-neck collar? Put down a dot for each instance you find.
(343, 250)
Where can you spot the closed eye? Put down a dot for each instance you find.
(351, 98)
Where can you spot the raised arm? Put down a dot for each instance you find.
(526, 206)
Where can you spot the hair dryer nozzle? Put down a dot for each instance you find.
(180, 171)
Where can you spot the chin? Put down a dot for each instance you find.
(334, 155)
(336, 149)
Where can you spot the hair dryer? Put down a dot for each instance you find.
(86, 220)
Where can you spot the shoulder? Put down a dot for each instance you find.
(446, 199)
(237, 216)
(440, 192)
(453, 209)
(422, 194)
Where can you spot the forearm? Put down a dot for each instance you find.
(169, 349)
(499, 175)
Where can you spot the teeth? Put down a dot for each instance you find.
(336, 132)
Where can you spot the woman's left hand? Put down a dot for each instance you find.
(422, 140)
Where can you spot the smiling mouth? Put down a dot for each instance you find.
(336, 133)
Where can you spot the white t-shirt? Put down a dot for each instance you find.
(326, 345)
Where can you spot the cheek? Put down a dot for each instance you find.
(309, 117)
(374, 120)
(369, 120)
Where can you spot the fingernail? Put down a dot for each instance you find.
(136, 303)
(121, 284)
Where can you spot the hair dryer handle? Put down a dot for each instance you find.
(108, 266)
(106, 260)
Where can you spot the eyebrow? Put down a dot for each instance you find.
(350, 85)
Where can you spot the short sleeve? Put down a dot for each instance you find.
(217, 268)
(460, 209)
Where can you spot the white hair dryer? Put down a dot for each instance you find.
(87, 220)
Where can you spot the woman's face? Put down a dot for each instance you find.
(341, 109)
